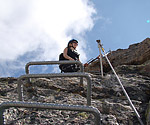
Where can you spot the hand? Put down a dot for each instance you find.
(71, 59)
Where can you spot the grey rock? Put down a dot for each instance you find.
(107, 95)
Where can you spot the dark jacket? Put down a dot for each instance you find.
(69, 67)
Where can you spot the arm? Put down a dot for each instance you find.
(65, 54)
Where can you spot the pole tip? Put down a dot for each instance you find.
(98, 41)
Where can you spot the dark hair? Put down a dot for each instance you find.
(72, 41)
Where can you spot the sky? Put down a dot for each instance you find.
(39, 30)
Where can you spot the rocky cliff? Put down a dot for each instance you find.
(107, 95)
(137, 55)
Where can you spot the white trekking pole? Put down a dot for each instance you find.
(134, 109)
(100, 59)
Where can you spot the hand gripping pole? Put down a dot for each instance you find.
(134, 109)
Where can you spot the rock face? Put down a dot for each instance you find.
(137, 54)
(107, 94)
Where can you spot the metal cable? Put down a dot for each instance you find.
(126, 94)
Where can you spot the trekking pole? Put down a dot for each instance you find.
(101, 65)
(134, 109)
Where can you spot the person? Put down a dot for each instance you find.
(70, 53)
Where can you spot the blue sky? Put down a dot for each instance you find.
(37, 30)
(123, 22)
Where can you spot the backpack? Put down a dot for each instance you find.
(67, 67)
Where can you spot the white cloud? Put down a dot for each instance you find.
(29, 25)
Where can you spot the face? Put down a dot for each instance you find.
(75, 44)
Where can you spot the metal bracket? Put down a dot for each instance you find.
(90, 109)
(52, 63)
(20, 83)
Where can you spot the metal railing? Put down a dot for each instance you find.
(20, 87)
(52, 63)
(90, 109)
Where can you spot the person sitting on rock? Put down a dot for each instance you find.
(71, 54)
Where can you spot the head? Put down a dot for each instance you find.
(73, 43)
